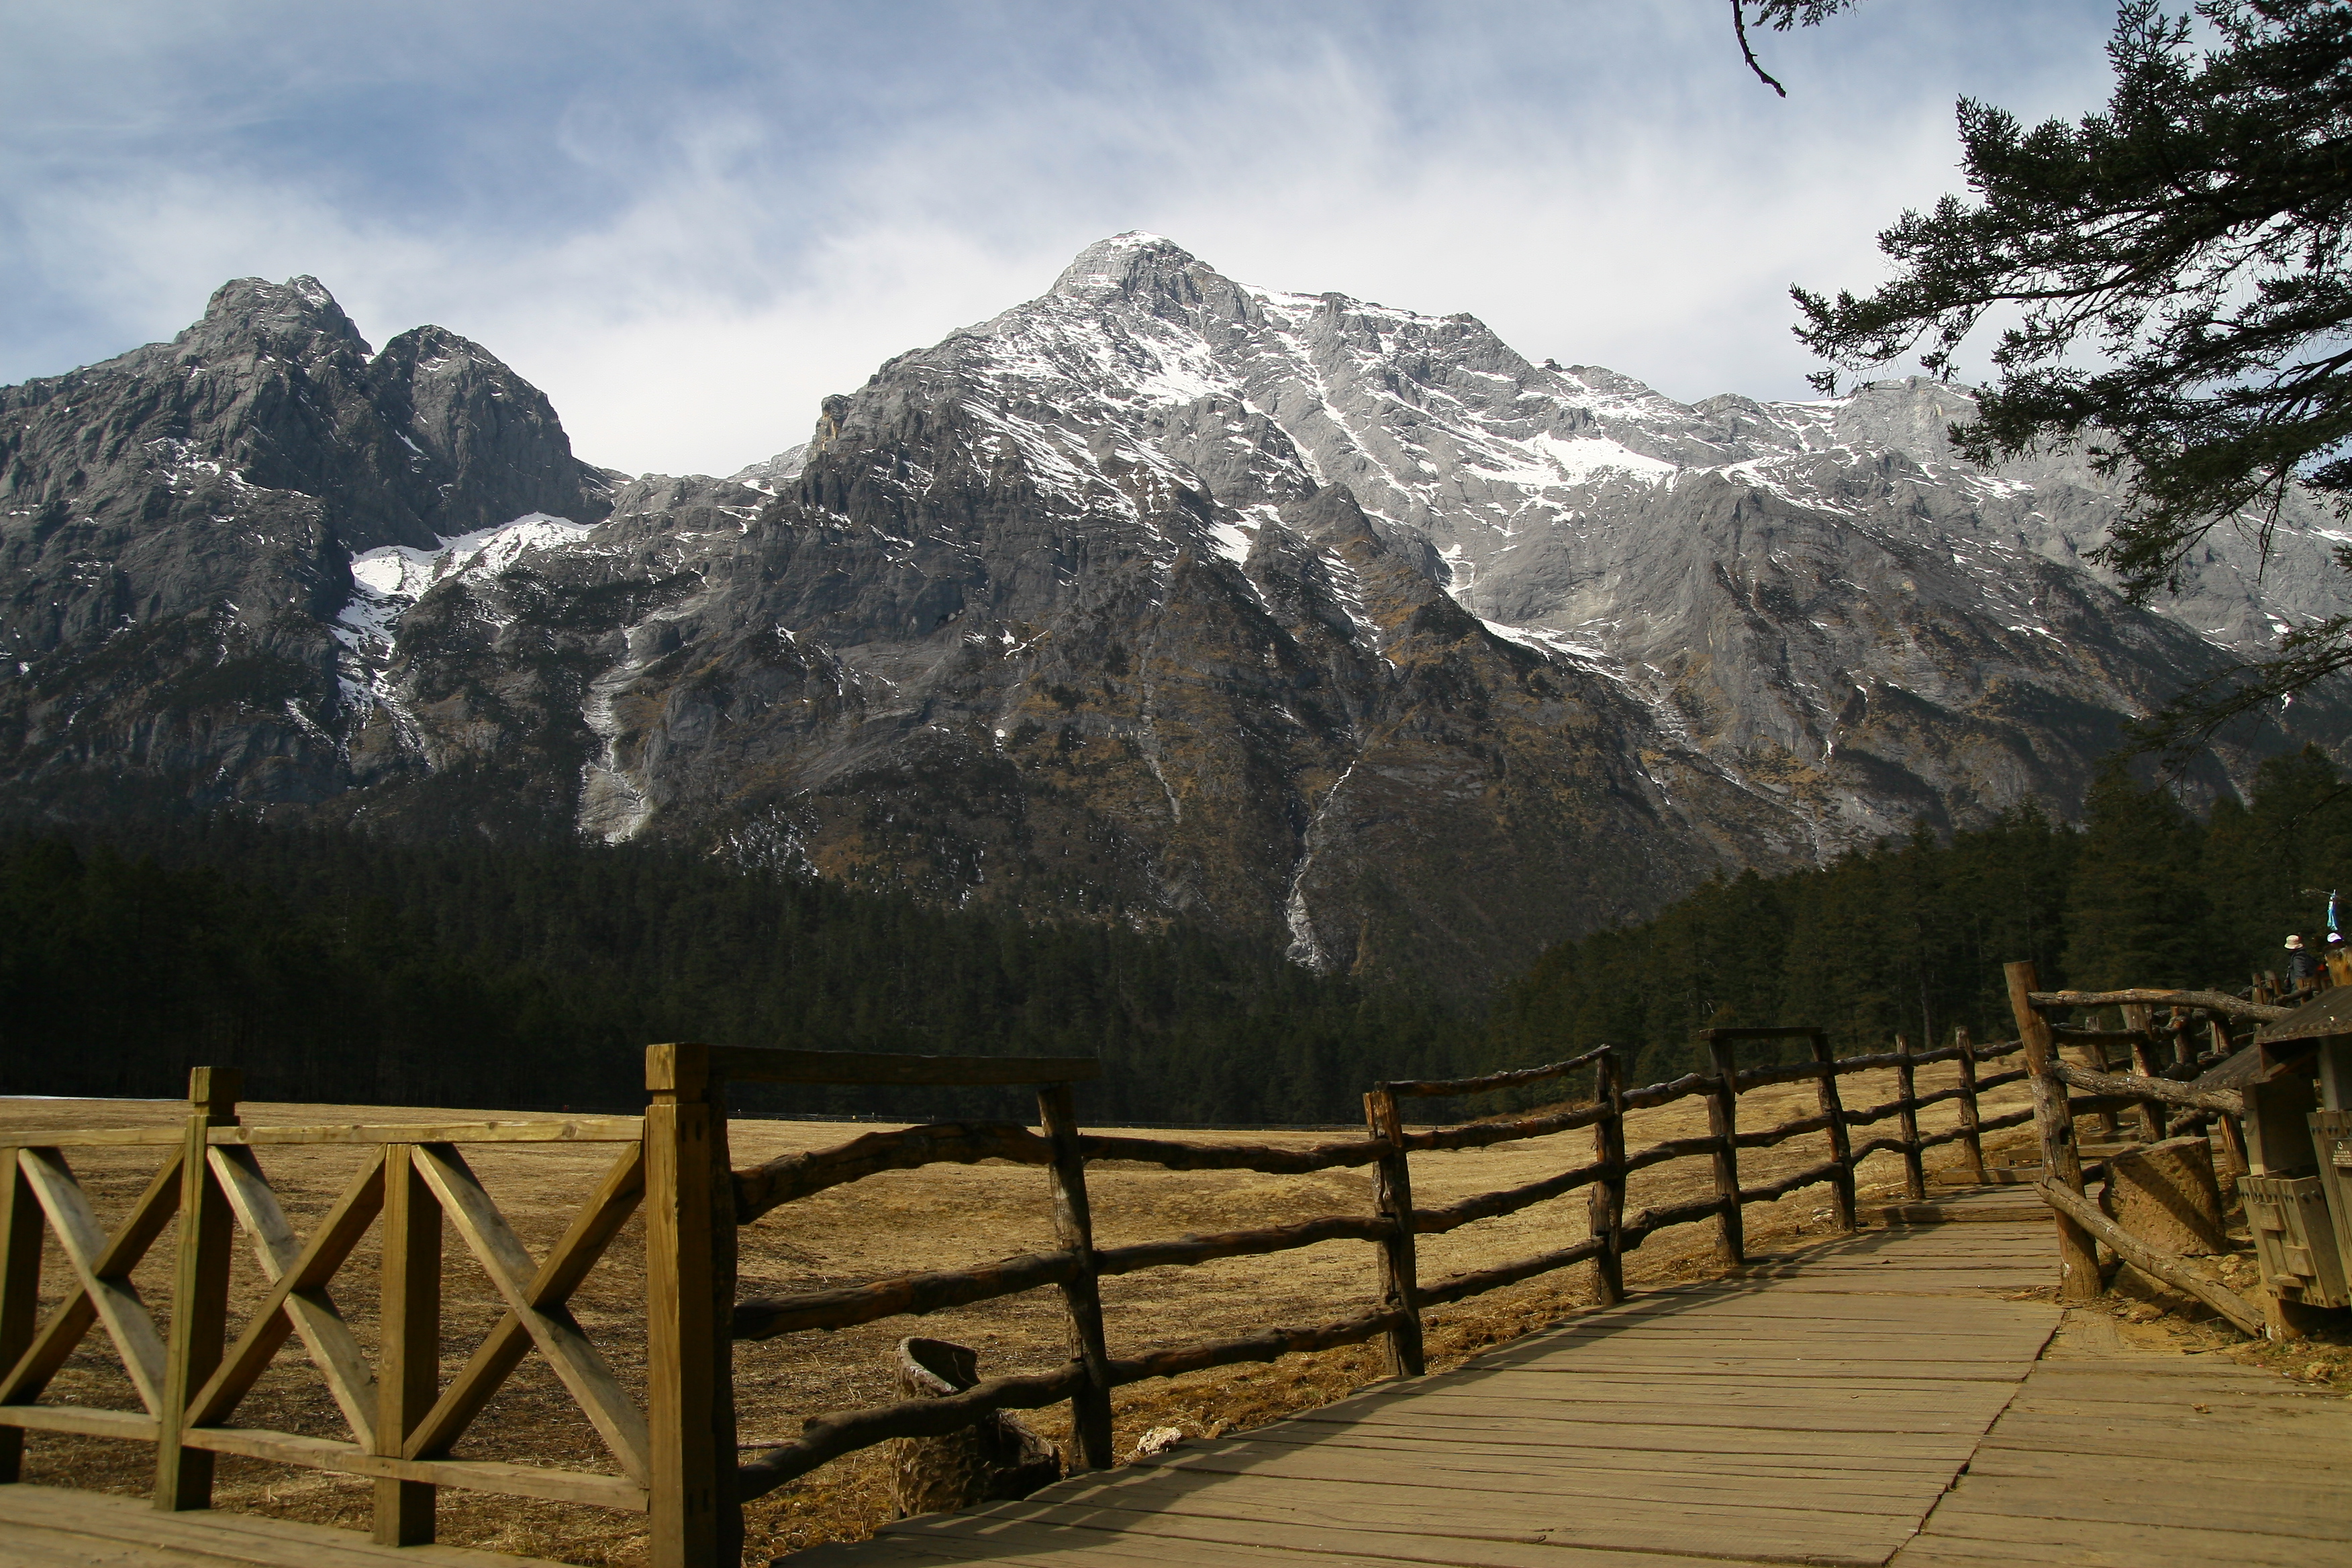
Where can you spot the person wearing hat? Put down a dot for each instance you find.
(2302, 969)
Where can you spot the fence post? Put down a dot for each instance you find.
(1971, 1137)
(1906, 1090)
(20, 1289)
(2141, 1015)
(1605, 1204)
(408, 1363)
(1841, 1137)
(2078, 1257)
(1723, 1125)
(183, 1476)
(1074, 1226)
(1392, 1196)
(694, 1521)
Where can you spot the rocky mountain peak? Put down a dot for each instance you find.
(1140, 269)
(287, 319)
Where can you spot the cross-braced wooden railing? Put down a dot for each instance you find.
(401, 1423)
(676, 1458)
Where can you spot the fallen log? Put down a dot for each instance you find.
(2164, 1266)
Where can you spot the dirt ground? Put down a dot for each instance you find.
(894, 1224)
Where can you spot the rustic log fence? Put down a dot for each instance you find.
(677, 1459)
(2151, 1094)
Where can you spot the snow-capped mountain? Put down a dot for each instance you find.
(1156, 596)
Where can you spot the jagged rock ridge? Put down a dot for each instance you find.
(1157, 596)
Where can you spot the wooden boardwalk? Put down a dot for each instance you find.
(1818, 1409)
(1869, 1400)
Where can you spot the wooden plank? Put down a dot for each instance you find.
(505, 1480)
(1034, 1545)
(1853, 1493)
(86, 1419)
(570, 1130)
(746, 1064)
(1542, 1456)
(1407, 1493)
(1726, 1393)
(2068, 1541)
(91, 1138)
(1468, 1542)
(2323, 1480)
(103, 1267)
(1215, 1503)
(408, 1359)
(21, 1231)
(1674, 1439)
(696, 1514)
(2315, 1513)
(2142, 1440)
(1859, 1420)
(212, 1536)
(583, 1242)
(1610, 1385)
(298, 1300)
(199, 1322)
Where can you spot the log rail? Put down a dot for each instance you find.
(2146, 1090)
(1389, 1227)
(677, 1458)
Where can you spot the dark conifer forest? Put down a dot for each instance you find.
(1909, 937)
(334, 966)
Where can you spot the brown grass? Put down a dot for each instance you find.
(898, 1223)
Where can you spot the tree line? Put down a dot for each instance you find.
(1909, 937)
(333, 967)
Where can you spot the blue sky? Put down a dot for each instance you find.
(689, 222)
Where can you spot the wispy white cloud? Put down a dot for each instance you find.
(690, 223)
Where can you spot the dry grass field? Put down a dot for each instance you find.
(894, 1224)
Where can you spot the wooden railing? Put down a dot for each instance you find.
(401, 1423)
(676, 1458)
(1391, 1227)
(2196, 1034)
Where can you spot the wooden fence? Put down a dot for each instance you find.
(2152, 1098)
(677, 1458)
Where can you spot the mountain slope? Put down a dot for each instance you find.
(1157, 596)
(176, 531)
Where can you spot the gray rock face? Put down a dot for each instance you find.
(1156, 596)
(176, 527)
